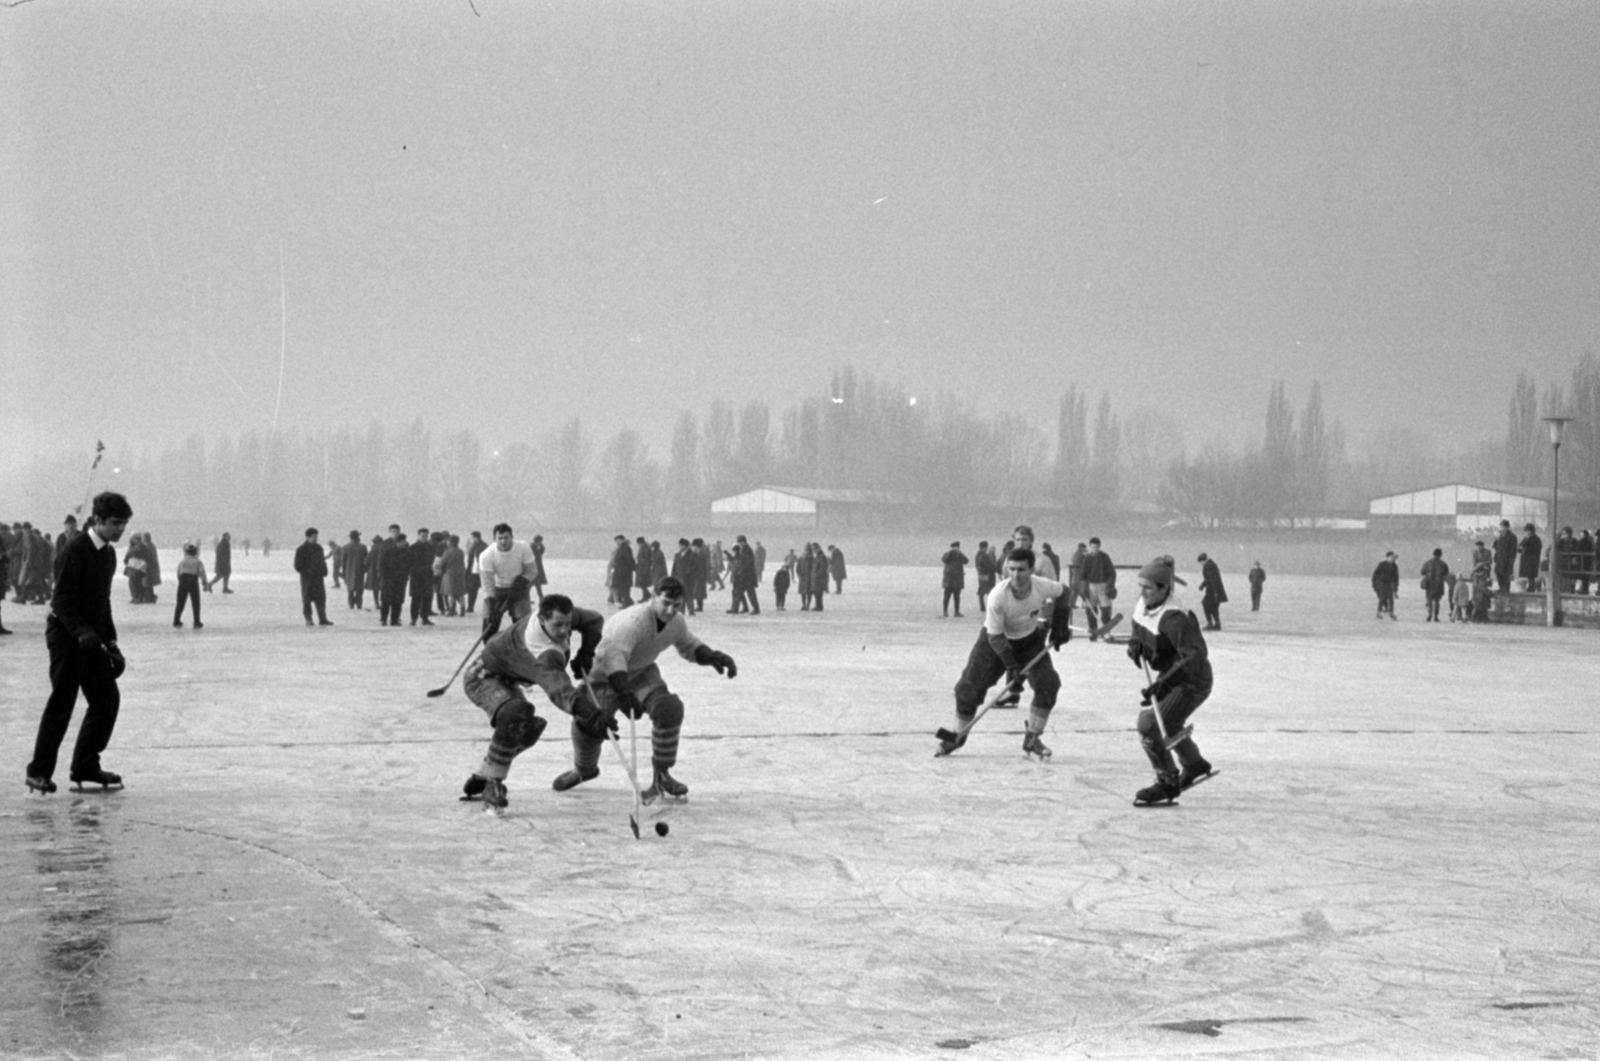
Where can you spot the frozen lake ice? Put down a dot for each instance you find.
(1397, 859)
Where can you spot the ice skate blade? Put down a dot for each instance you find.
(97, 788)
(1201, 779)
(1157, 803)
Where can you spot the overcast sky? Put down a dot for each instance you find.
(503, 217)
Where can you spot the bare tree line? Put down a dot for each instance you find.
(865, 434)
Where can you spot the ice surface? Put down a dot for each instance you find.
(1398, 858)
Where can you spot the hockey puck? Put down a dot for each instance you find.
(661, 828)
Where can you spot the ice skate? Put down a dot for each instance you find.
(1165, 790)
(666, 787)
(1032, 745)
(473, 787)
(107, 781)
(494, 796)
(572, 778)
(42, 786)
(1194, 774)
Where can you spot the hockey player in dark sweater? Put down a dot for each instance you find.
(1167, 643)
(536, 650)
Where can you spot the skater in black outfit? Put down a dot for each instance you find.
(1166, 639)
(82, 639)
(312, 567)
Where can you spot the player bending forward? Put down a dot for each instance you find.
(627, 679)
(1021, 619)
(1166, 637)
(536, 650)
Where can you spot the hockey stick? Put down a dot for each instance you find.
(961, 734)
(1103, 632)
(441, 690)
(1148, 700)
(633, 778)
(638, 797)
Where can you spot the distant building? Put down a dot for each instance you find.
(1468, 509)
(797, 506)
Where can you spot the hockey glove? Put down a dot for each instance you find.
(1060, 635)
(119, 662)
(582, 664)
(1013, 689)
(90, 641)
(1136, 653)
(627, 703)
(591, 720)
(493, 609)
(723, 663)
(519, 589)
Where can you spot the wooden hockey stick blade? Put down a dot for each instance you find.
(944, 734)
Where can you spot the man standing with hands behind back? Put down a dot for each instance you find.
(82, 640)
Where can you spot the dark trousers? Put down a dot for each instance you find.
(188, 587)
(421, 596)
(984, 669)
(394, 595)
(1213, 609)
(355, 589)
(1175, 708)
(952, 596)
(313, 594)
(71, 670)
(1255, 598)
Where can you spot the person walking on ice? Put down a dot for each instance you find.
(535, 650)
(1025, 616)
(626, 679)
(1166, 642)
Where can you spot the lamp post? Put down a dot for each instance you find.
(1553, 590)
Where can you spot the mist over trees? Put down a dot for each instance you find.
(864, 434)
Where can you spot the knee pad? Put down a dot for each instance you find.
(1046, 685)
(1149, 731)
(666, 711)
(517, 725)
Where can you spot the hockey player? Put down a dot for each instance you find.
(507, 572)
(1024, 616)
(536, 650)
(626, 679)
(1166, 636)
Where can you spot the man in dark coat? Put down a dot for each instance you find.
(955, 577)
(641, 568)
(1386, 583)
(836, 568)
(744, 578)
(1505, 556)
(222, 563)
(355, 572)
(312, 568)
(1434, 573)
(419, 560)
(1530, 550)
(621, 571)
(82, 639)
(986, 568)
(1212, 595)
(394, 567)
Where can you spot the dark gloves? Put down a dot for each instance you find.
(119, 662)
(593, 721)
(1153, 692)
(90, 641)
(519, 589)
(627, 703)
(1060, 635)
(720, 662)
(1013, 689)
(493, 610)
(582, 663)
(1136, 652)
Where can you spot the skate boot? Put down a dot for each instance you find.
(107, 781)
(494, 796)
(1192, 775)
(41, 785)
(473, 787)
(572, 778)
(666, 787)
(1032, 745)
(1165, 790)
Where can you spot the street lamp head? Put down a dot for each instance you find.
(1556, 424)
